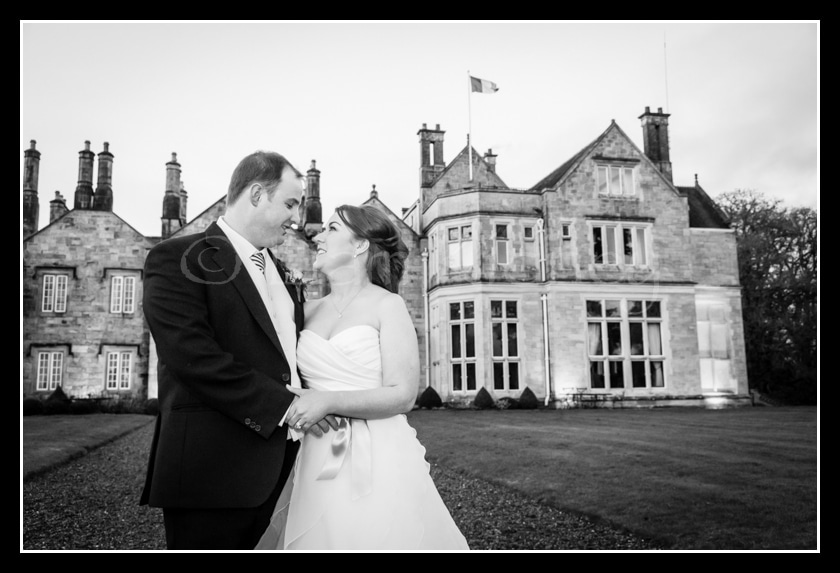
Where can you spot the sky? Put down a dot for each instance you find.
(743, 99)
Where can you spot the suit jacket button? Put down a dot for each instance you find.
(285, 377)
(247, 421)
(257, 427)
(253, 424)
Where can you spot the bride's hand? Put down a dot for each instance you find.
(310, 412)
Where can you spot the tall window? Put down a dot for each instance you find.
(713, 340)
(621, 244)
(122, 294)
(502, 245)
(504, 319)
(462, 345)
(530, 246)
(54, 293)
(460, 248)
(118, 375)
(625, 344)
(50, 369)
(616, 180)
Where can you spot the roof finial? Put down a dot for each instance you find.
(374, 192)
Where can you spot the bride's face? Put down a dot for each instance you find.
(336, 246)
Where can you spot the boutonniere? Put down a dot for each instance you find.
(295, 278)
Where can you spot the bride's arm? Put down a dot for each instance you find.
(400, 374)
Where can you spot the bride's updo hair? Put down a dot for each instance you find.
(387, 251)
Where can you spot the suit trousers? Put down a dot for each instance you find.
(225, 528)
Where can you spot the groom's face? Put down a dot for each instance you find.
(276, 211)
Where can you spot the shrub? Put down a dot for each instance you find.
(83, 407)
(507, 403)
(33, 407)
(527, 400)
(429, 399)
(483, 399)
(58, 395)
(52, 407)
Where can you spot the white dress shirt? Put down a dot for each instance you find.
(275, 297)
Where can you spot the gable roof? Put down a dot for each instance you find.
(703, 212)
(74, 210)
(377, 202)
(463, 155)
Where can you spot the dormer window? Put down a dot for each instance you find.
(616, 180)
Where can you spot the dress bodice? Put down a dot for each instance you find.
(349, 360)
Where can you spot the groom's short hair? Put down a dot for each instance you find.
(264, 167)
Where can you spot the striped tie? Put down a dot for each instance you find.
(259, 260)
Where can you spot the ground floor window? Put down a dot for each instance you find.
(624, 340)
(118, 375)
(462, 345)
(504, 316)
(50, 370)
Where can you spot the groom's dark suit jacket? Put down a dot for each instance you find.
(221, 377)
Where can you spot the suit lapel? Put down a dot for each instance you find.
(293, 292)
(232, 266)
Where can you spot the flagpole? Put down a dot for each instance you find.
(469, 125)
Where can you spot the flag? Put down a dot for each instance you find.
(483, 86)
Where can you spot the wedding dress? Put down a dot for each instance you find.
(365, 486)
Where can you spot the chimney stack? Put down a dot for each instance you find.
(31, 164)
(310, 215)
(83, 198)
(103, 199)
(490, 159)
(170, 220)
(655, 134)
(58, 207)
(431, 154)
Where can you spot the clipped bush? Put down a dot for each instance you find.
(483, 399)
(429, 399)
(53, 407)
(527, 400)
(507, 403)
(83, 407)
(58, 395)
(33, 407)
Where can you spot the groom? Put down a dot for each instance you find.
(226, 330)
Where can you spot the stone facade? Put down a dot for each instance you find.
(604, 284)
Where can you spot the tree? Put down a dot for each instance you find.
(777, 259)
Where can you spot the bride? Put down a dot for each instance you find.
(366, 485)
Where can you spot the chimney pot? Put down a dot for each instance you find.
(87, 145)
(31, 144)
(659, 110)
(105, 145)
(647, 109)
(437, 126)
(424, 126)
(174, 157)
(312, 165)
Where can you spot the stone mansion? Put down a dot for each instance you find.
(604, 284)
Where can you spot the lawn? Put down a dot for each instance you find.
(730, 479)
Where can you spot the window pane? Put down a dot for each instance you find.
(128, 295)
(470, 376)
(113, 359)
(469, 309)
(48, 294)
(593, 308)
(596, 374)
(496, 309)
(453, 234)
(653, 309)
(470, 339)
(513, 375)
(497, 340)
(498, 376)
(639, 374)
(704, 339)
(595, 344)
(454, 311)
(616, 374)
(597, 245)
(454, 255)
(501, 232)
(613, 308)
(637, 346)
(116, 294)
(510, 309)
(614, 338)
(529, 232)
(628, 246)
(641, 250)
(457, 383)
(61, 293)
(602, 180)
(56, 359)
(627, 181)
(125, 370)
(615, 184)
(654, 339)
(610, 258)
(43, 370)
(720, 334)
(456, 341)
(466, 232)
(466, 253)
(512, 345)
(634, 308)
(501, 252)
(657, 377)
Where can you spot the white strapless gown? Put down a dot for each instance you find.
(366, 486)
